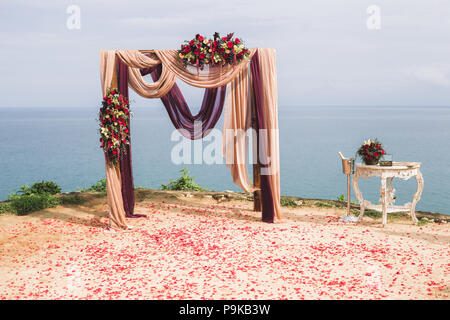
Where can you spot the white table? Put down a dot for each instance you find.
(402, 170)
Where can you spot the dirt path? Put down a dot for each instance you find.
(191, 248)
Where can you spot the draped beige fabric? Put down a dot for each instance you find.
(115, 202)
(237, 121)
(216, 76)
(172, 68)
(107, 66)
(267, 60)
(135, 59)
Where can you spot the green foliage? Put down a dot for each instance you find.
(286, 202)
(6, 207)
(43, 187)
(323, 204)
(72, 199)
(423, 222)
(373, 214)
(37, 197)
(40, 188)
(23, 204)
(100, 186)
(185, 182)
(341, 198)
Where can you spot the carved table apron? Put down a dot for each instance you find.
(402, 170)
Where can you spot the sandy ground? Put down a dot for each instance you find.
(193, 248)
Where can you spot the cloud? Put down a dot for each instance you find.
(434, 75)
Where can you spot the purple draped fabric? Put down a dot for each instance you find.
(268, 212)
(126, 168)
(181, 116)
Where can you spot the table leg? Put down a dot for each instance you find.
(358, 196)
(390, 191)
(417, 195)
(383, 198)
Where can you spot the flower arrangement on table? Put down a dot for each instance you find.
(219, 50)
(371, 152)
(114, 119)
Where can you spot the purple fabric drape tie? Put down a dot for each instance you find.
(180, 114)
(126, 169)
(268, 212)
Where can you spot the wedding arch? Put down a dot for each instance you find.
(246, 90)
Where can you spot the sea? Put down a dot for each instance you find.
(62, 145)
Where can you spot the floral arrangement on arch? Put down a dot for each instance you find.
(219, 50)
(371, 151)
(114, 119)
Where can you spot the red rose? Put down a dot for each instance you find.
(237, 40)
(113, 92)
(115, 151)
(221, 50)
(225, 56)
(377, 146)
(230, 45)
(104, 98)
(109, 101)
(224, 39)
(199, 45)
(202, 56)
(196, 51)
(126, 130)
(382, 152)
(187, 49)
(376, 154)
(199, 38)
(191, 43)
(215, 43)
(101, 139)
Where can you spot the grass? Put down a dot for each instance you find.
(288, 202)
(423, 222)
(74, 199)
(322, 204)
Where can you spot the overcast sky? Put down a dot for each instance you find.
(326, 55)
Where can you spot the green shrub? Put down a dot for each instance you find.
(100, 186)
(23, 204)
(72, 199)
(185, 182)
(43, 187)
(6, 207)
(286, 202)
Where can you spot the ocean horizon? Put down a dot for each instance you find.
(61, 145)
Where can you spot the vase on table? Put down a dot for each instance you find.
(371, 162)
